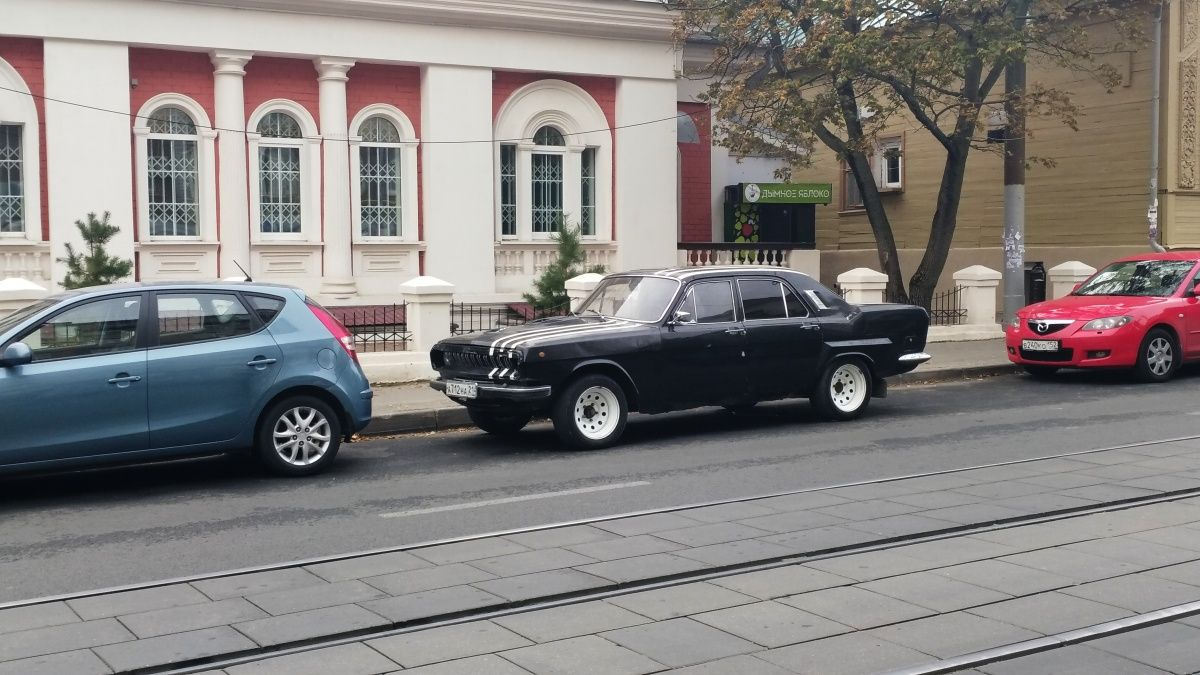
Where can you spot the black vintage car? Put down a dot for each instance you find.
(661, 340)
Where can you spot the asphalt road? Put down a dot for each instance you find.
(73, 532)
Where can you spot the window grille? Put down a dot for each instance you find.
(172, 172)
(279, 125)
(508, 190)
(171, 121)
(587, 216)
(12, 195)
(547, 186)
(379, 178)
(548, 136)
(279, 191)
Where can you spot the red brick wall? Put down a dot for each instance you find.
(159, 71)
(400, 86)
(25, 56)
(696, 177)
(268, 77)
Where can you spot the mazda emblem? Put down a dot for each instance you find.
(1042, 327)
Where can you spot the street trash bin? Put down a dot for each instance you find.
(1035, 283)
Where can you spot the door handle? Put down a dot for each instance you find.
(123, 379)
(260, 362)
(735, 331)
(810, 326)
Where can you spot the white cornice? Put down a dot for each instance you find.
(624, 19)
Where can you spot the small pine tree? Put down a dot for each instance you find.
(550, 289)
(95, 267)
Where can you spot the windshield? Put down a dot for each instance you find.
(1150, 278)
(21, 314)
(633, 298)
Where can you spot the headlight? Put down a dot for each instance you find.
(1107, 323)
(1015, 323)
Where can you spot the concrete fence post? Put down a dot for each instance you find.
(427, 310)
(863, 286)
(978, 284)
(805, 261)
(578, 288)
(1064, 277)
(16, 292)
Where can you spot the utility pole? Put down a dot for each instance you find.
(1014, 178)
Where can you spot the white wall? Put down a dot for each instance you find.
(647, 180)
(89, 162)
(457, 178)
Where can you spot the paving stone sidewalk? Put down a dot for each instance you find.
(190, 621)
(908, 607)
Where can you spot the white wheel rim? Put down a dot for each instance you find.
(597, 412)
(848, 387)
(1160, 356)
(302, 436)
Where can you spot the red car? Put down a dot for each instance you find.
(1140, 312)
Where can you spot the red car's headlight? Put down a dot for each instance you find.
(1107, 323)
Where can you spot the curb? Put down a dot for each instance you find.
(451, 417)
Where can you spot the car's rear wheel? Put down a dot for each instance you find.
(499, 423)
(844, 390)
(591, 412)
(298, 436)
(1041, 372)
(1158, 357)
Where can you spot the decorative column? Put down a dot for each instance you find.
(978, 284)
(338, 281)
(580, 287)
(863, 286)
(1065, 277)
(229, 70)
(427, 310)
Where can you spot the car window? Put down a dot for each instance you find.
(762, 299)
(266, 307)
(99, 327)
(184, 318)
(11, 321)
(795, 306)
(713, 301)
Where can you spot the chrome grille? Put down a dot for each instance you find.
(470, 360)
(1048, 326)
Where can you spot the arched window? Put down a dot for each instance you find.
(172, 174)
(547, 180)
(279, 174)
(12, 193)
(379, 177)
(555, 164)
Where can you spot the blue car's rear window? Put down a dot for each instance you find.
(266, 307)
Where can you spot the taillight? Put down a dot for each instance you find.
(339, 332)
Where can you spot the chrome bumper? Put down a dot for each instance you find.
(917, 358)
(500, 392)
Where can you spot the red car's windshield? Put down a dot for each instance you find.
(1148, 278)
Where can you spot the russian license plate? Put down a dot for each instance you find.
(462, 389)
(1039, 345)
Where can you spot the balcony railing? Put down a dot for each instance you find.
(708, 254)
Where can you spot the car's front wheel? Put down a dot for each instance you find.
(298, 436)
(499, 423)
(1158, 357)
(591, 412)
(844, 390)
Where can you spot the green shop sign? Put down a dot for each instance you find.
(787, 193)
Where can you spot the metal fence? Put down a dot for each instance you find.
(945, 308)
(376, 328)
(471, 318)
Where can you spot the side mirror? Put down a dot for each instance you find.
(680, 316)
(1195, 292)
(16, 354)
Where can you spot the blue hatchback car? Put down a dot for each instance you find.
(138, 372)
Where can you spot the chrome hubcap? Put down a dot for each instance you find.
(848, 387)
(1160, 356)
(597, 412)
(302, 436)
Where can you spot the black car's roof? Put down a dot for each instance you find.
(715, 270)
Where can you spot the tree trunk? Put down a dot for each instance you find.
(881, 227)
(941, 232)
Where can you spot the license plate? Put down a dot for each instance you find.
(1039, 345)
(462, 389)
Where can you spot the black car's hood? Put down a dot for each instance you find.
(555, 331)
